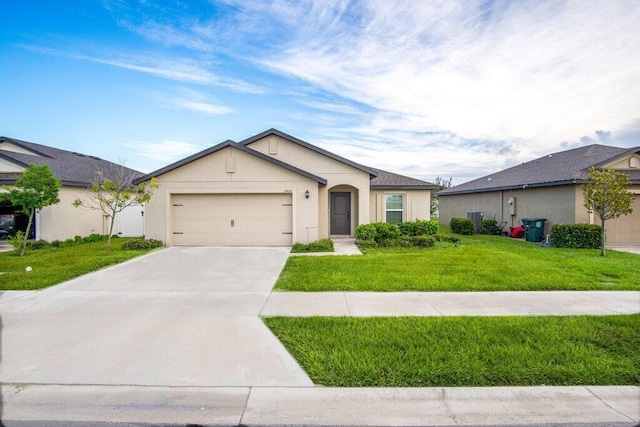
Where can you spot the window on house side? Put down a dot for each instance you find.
(394, 207)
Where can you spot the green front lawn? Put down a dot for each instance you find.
(464, 351)
(51, 266)
(479, 263)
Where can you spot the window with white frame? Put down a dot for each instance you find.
(394, 208)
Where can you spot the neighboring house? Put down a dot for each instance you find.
(275, 190)
(549, 187)
(76, 171)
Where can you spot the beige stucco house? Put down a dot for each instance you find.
(274, 189)
(76, 171)
(549, 187)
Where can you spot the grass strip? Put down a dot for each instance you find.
(50, 266)
(479, 263)
(464, 351)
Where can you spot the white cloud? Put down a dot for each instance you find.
(532, 74)
(203, 107)
(164, 152)
(431, 88)
(179, 69)
(188, 99)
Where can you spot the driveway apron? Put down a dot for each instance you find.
(176, 317)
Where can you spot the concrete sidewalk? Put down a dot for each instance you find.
(293, 406)
(452, 303)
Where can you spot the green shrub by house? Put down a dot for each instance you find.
(142, 244)
(462, 226)
(489, 226)
(423, 241)
(406, 234)
(576, 236)
(418, 228)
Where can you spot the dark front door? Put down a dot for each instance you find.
(341, 213)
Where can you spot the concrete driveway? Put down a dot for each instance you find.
(177, 317)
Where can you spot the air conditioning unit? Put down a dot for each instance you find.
(476, 217)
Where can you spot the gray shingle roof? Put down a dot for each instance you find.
(564, 167)
(73, 169)
(389, 180)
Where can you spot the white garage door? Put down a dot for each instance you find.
(625, 230)
(232, 219)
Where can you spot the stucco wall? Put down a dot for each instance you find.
(336, 173)
(557, 204)
(458, 205)
(417, 204)
(64, 221)
(252, 175)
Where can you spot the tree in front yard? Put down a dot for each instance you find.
(606, 194)
(442, 183)
(35, 189)
(113, 190)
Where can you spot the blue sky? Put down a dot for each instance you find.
(422, 88)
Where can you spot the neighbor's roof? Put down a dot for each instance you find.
(73, 169)
(392, 181)
(235, 145)
(564, 167)
(371, 171)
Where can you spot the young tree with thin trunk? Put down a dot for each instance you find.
(442, 183)
(113, 190)
(606, 194)
(35, 189)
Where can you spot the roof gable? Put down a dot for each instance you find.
(561, 168)
(16, 146)
(622, 161)
(222, 146)
(372, 172)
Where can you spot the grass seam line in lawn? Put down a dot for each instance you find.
(607, 405)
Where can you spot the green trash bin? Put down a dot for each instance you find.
(533, 229)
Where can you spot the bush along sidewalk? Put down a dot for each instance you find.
(135, 244)
(142, 244)
(42, 244)
(322, 245)
(419, 233)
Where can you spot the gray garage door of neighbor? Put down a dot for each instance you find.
(232, 219)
